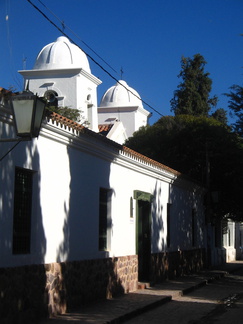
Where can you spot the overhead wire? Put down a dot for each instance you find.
(76, 35)
(10, 47)
(91, 58)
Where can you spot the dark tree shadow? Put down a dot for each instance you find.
(87, 273)
(186, 251)
(22, 276)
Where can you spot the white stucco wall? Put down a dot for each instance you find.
(73, 86)
(123, 114)
(69, 172)
(132, 117)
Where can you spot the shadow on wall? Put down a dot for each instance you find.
(157, 219)
(96, 275)
(182, 251)
(22, 287)
(75, 283)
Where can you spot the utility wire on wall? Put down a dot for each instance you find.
(89, 56)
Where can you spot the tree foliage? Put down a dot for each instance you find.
(187, 143)
(192, 95)
(70, 113)
(220, 115)
(236, 105)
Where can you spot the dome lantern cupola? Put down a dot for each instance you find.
(121, 95)
(61, 54)
(62, 75)
(122, 103)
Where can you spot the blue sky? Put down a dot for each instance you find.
(147, 38)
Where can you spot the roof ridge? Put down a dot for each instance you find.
(82, 129)
(55, 117)
(65, 121)
(147, 159)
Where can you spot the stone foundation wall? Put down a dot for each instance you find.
(23, 297)
(31, 292)
(169, 265)
(71, 284)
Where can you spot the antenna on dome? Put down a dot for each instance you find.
(121, 72)
(24, 62)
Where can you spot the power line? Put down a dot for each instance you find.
(10, 47)
(65, 26)
(90, 57)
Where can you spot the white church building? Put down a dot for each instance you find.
(62, 75)
(81, 215)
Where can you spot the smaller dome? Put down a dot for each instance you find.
(61, 54)
(121, 95)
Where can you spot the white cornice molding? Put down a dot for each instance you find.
(78, 140)
(91, 77)
(55, 72)
(61, 72)
(117, 109)
(123, 109)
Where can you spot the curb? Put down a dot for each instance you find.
(138, 311)
(203, 283)
(165, 299)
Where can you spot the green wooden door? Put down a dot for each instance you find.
(144, 239)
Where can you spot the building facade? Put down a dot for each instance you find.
(83, 216)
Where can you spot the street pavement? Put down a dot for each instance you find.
(220, 301)
(175, 301)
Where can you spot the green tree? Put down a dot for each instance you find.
(70, 113)
(190, 144)
(236, 105)
(220, 115)
(192, 95)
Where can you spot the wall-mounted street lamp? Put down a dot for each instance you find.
(28, 110)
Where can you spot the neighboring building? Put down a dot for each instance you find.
(225, 239)
(232, 233)
(123, 104)
(81, 216)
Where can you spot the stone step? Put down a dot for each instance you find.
(144, 285)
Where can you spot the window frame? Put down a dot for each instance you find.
(22, 211)
(168, 218)
(104, 242)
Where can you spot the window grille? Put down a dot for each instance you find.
(104, 218)
(168, 224)
(194, 227)
(22, 211)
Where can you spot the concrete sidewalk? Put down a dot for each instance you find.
(127, 306)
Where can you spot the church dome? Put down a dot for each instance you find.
(61, 54)
(121, 95)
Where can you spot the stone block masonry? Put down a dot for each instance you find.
(169, 265)
(29, 293)
(23, 296)
(71, 284)
(32, 292)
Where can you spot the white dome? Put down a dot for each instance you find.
(61, 54)
(121, 95)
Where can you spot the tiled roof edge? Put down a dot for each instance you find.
(64, 121)
(151, 161)
(80, 128)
